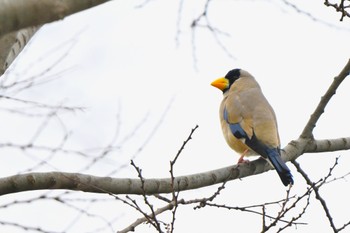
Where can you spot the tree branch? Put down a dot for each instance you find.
(144, 219)
(18, 14)
(88, 183)
(317, 194)
(307, 132)
(341, 7)
(12, 44)
(327, 145)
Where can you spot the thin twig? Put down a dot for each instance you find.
(294, 219)
(317, 194)
(175, 195)
(183, 146)
(311, 124)
(152, 219)
(341, 7)
(139, 221)
(204, 201)
(282, 212)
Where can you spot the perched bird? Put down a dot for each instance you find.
(248, 121)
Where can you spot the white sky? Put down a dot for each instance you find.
(126, 62)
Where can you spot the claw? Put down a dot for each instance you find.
(241, 159)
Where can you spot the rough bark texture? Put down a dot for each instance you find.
(18, 14)
(95, 184)
(20, 19)
(12, 44)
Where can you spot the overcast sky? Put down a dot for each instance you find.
(145, 67)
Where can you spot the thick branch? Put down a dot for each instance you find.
(18, 14)
(327, 145)
(296, 148)
(12, 44)
(89, 183)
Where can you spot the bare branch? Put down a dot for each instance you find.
(307, 132)
(153, 217)
(317, 192)
(143, 219)
(204, 201)
(178, 23)
(281, 213)
(18, 14)
(310, 16)
(344, 226)
(148, 138)
(172, 204)
(294, 219)
(182, 147)
(172, 177)
(12, 44)
(341, 7)
(88, 183)
(327, 145)
(250, 209)
(27, 228)
(202, 21)
(43, 105)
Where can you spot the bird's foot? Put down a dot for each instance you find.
(241, 160)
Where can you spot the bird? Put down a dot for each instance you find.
(249, 122)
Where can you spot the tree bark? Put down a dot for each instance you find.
(20, 19)
(19, 14)
(95, 184)
(12, 44)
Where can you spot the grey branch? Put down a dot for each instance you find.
(12, 44)
(20, 20)
(89, 183)
(18, 14)
(342, 7)
(144, 219)
(307, 132)
(95, 184)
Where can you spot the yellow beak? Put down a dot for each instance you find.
(221, 83)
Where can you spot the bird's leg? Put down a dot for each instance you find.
(241, 159)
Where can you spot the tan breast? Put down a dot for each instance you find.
(246, 105)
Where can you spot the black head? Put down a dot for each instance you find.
(225, 83)
(232, 76)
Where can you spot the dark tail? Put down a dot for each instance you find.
(272, 154)
(280, 166)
